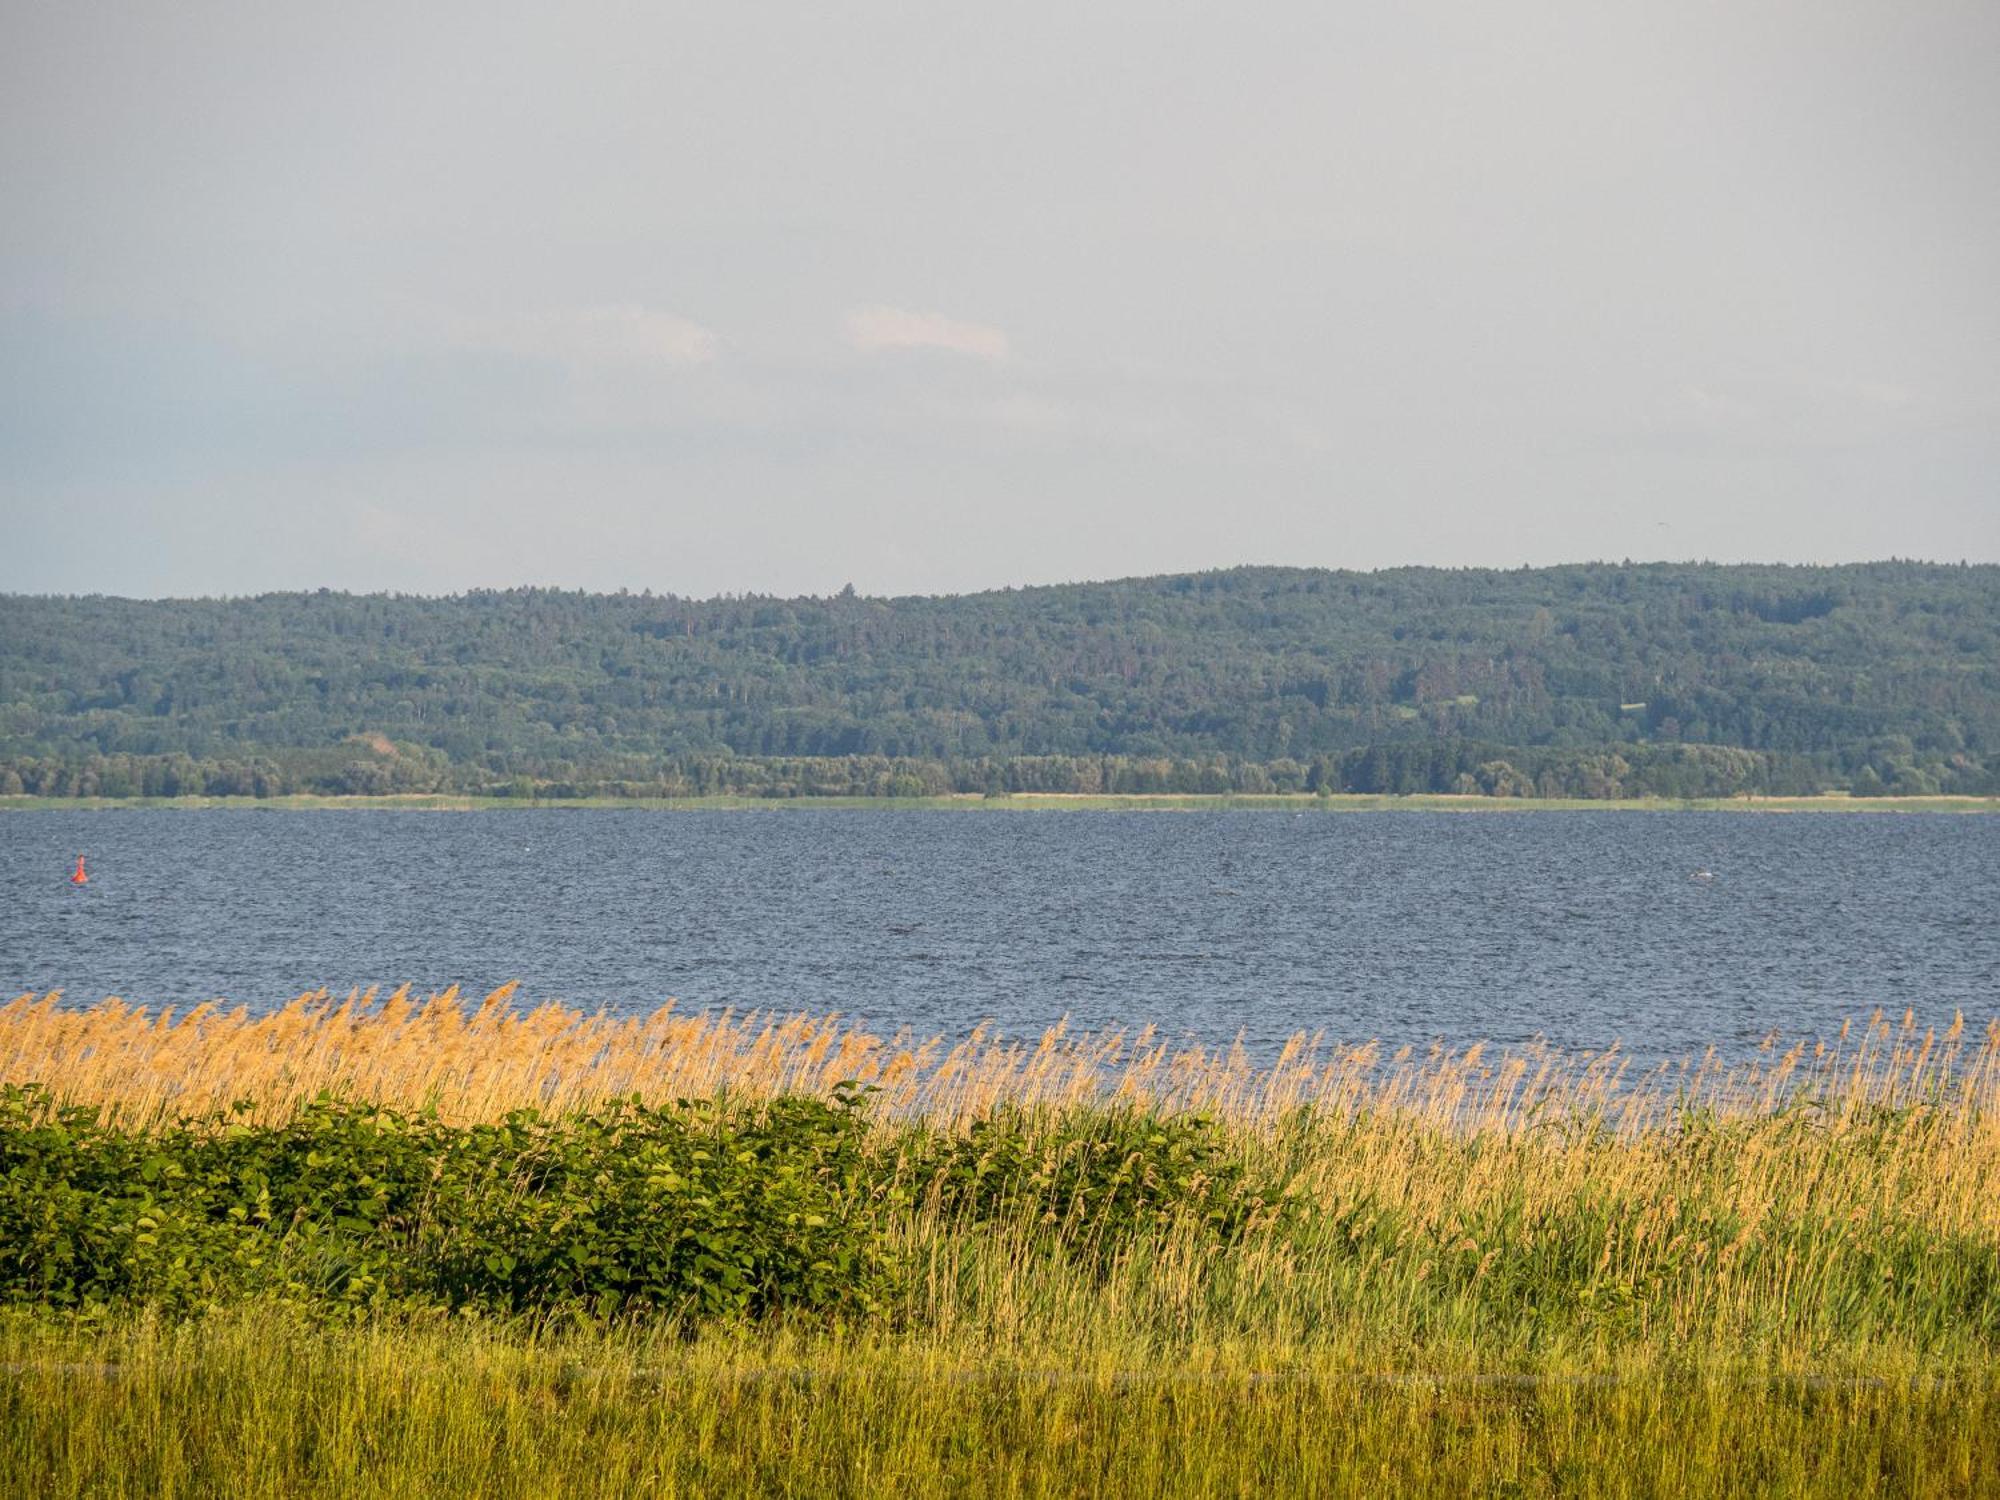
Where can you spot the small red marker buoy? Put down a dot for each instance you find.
(79, 878)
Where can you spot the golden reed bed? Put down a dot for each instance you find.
(478, 1061)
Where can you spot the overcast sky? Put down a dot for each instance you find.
(737, 297)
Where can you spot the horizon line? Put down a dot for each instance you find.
(849, 591)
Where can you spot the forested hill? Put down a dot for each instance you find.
(1880, 675)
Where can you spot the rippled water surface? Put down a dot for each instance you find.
(1582, 927)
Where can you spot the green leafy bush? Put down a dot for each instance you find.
(1100, 1176)
(682, 1208)
(693, 1209)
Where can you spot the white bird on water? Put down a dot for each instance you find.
(1702, 875)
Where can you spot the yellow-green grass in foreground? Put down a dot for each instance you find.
(1037, 801)
(257, 1404)
(1498, 1273)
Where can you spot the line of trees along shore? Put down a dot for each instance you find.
(1396, 769)
(1587, 681)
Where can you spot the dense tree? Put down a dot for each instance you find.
(1597, 680)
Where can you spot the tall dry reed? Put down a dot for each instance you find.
(478, 1061)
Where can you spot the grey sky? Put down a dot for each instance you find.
(717, 297)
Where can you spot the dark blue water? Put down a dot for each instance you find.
(1581, 927)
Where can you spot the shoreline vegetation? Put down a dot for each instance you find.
(1297, 802)
(408, 1246)
(470, 1058)
(1595, 681)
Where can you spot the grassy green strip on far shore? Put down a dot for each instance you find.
(1294, 802)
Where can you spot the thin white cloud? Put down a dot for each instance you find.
(624, 336)
(876, 327)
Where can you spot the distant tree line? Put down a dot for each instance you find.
(1398, 769)
(1599, 680)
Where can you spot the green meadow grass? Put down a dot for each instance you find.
(1799, 1300)
(257, 1403)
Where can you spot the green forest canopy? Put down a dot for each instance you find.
(1593, 679)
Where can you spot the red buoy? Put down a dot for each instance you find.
(79, 878)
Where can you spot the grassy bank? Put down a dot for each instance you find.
(256, 1404)
(1079, 1265)
(1301, 802)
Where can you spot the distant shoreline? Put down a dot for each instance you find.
(1295, 802)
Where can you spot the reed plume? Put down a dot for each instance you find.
(479, 1060)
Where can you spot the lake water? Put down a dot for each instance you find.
(1581, 927)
